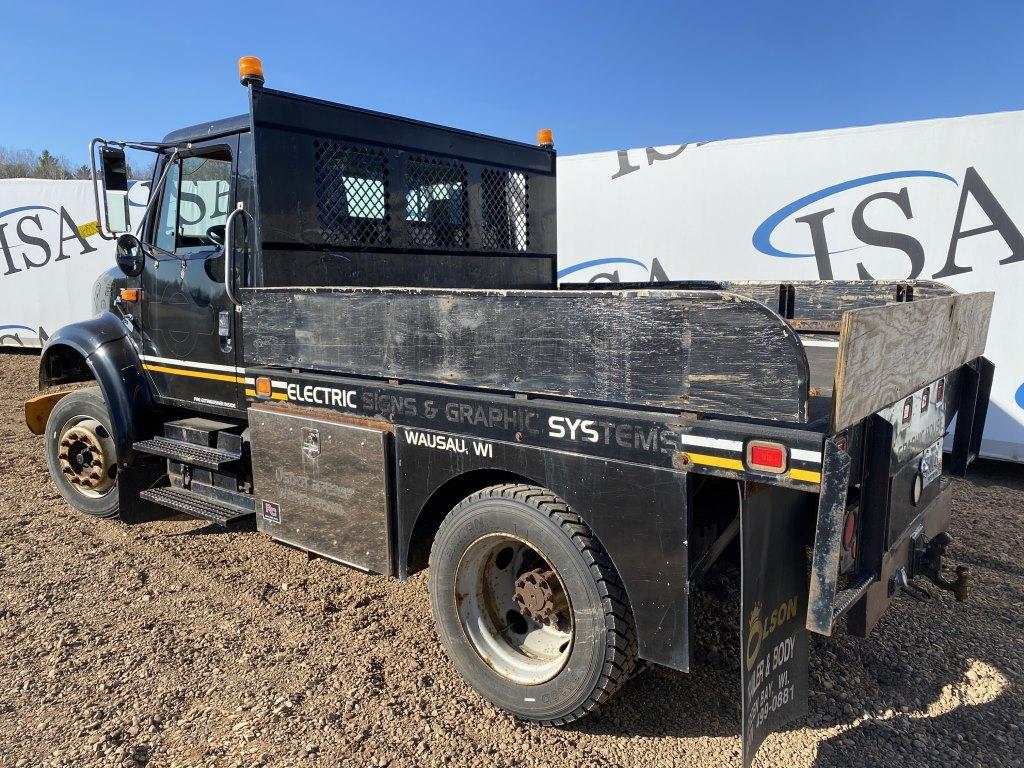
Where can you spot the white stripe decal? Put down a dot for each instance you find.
(275, 384)
(711, 442)
(811, 456)
(190, 364)
(819, 343)
(737, 447)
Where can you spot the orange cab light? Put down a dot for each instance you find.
(764, 456)
(545, 138)
(129, 294)
(250, 69)
(263, 388)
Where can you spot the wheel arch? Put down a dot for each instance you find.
(100, 350)
(442, 501)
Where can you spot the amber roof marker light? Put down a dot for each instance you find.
(545, 138)
(250, 71)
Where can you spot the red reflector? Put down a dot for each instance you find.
(908, 408)
(766, 457)
(924, 399)
(849, 529)
(940, 389)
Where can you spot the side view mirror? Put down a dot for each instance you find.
(114, 170)
(130, 258)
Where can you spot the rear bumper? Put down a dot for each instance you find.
(929, 523)
(872, 474)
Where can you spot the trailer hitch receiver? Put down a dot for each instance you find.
(927, 562)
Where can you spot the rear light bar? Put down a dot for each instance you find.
(766, 456)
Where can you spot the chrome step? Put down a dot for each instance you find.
(196, 505)
(187, 453)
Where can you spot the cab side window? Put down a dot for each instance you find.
(203, 201)
(163, 237)
(194, 204)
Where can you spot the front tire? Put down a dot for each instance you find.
(528, 606)
(80, 453)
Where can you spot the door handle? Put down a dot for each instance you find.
(228, 261)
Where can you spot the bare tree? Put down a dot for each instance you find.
(27, 164)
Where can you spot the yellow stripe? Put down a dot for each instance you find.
(715, 461)
(274, 396)
(195, 374)
(806, 475)
(719, 461)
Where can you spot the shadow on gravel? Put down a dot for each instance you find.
(212, 529)
(934, 684)
(967, 715)
(702, 703)
(988, 473)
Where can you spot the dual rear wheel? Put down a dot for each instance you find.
(528, 605)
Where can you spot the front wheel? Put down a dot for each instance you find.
(81, 454)
(528, 605)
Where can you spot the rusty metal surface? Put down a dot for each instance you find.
(321, 485)
(835, 479)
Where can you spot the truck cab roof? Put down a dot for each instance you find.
(222, 127)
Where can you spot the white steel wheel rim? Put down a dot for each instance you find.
(516, 646)
(86, 456)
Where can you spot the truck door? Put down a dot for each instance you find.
(190, 346)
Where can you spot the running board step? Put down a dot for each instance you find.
(187, 453)
(182, 500)
(847, 598)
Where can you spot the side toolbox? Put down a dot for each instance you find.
(321, 482)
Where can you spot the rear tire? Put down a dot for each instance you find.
(528, 606)
(80, 453)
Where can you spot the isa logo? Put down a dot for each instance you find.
(619, 269)
(1020, 396)
(889, 221)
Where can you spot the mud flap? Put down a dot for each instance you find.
(773, 639)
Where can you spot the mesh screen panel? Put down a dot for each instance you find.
(351, 194)
(436, 209)
(505, 202)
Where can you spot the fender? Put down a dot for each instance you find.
(638, 512)
(100, 349)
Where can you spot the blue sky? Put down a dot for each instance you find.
(602, 75)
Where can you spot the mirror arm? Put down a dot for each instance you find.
(147, 146)
(153, 194)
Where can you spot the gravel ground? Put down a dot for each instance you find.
(176, 644)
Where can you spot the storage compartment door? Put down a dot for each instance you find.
(321, 484)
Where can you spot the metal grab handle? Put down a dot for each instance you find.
(228, 263)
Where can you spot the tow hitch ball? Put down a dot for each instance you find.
(926, 560)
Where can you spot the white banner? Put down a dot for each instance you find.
(938, 199)
(50, 255)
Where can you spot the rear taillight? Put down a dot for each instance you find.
(849, 555)
(908, 408)
(764, 456)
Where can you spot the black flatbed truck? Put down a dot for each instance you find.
(347, 325)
